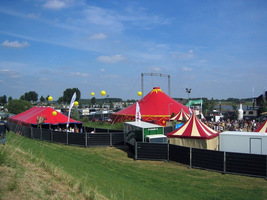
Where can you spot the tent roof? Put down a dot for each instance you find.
(142, 124)
(194, 128)
(156, 104)
(30, 116)
(181, 115)
(262, 128)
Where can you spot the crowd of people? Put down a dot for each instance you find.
(233, 125)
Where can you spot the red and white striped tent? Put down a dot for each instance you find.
(194, 133)
(262, 128)
(181, 116)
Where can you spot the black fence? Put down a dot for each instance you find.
(225, 162)
(151, 151)
(89, 137)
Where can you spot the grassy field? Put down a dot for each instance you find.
(105, 125)
(31, 169)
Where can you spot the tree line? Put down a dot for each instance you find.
(27, 99)
(32, 97)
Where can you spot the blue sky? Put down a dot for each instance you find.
(216, 48)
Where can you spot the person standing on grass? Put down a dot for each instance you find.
(3, 127)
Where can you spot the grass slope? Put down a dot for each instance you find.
(109, 172)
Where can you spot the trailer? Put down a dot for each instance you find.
(243, 142)
(143, 132)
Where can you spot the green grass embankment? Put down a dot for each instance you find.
(109, 172)
(104, 125)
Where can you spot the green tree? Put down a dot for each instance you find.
(93, 100)
(22, 97)
(18, 106)
(234, 106)
(42, 99)
(3, 100)
(111, 105)
(9, 99)
(60, 100)
(208, 105)
(75, 114)
(263, 107)
(30, 96)
(68, 93)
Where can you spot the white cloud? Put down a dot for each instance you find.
(98, 36)
(111, 59)
(102, 70)
(187, 69)
(10, 74)
(15, 44)
(55, 4)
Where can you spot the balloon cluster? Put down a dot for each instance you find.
(103, 93)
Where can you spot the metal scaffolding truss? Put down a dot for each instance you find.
(155, 74)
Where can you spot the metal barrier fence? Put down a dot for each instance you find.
(105, 138)
(151, 151)
(225, 162)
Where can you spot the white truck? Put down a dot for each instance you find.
(143, 132)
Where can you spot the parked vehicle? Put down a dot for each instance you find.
(143, 132)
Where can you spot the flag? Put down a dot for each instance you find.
(137, 113)
(70, 107)
(189, 102)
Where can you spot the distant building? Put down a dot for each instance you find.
(250, 113)
(261, 98)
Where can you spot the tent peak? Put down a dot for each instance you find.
(156, 89)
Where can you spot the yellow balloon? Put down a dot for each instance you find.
(103, 93)
(92, 94)
(50, 98)
(76, 103)
(54, 113)
(139, 93)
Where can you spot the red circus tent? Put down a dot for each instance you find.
(262, 128)
(30, 116)
(155, 107)
(181, 116)
(194, 133)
